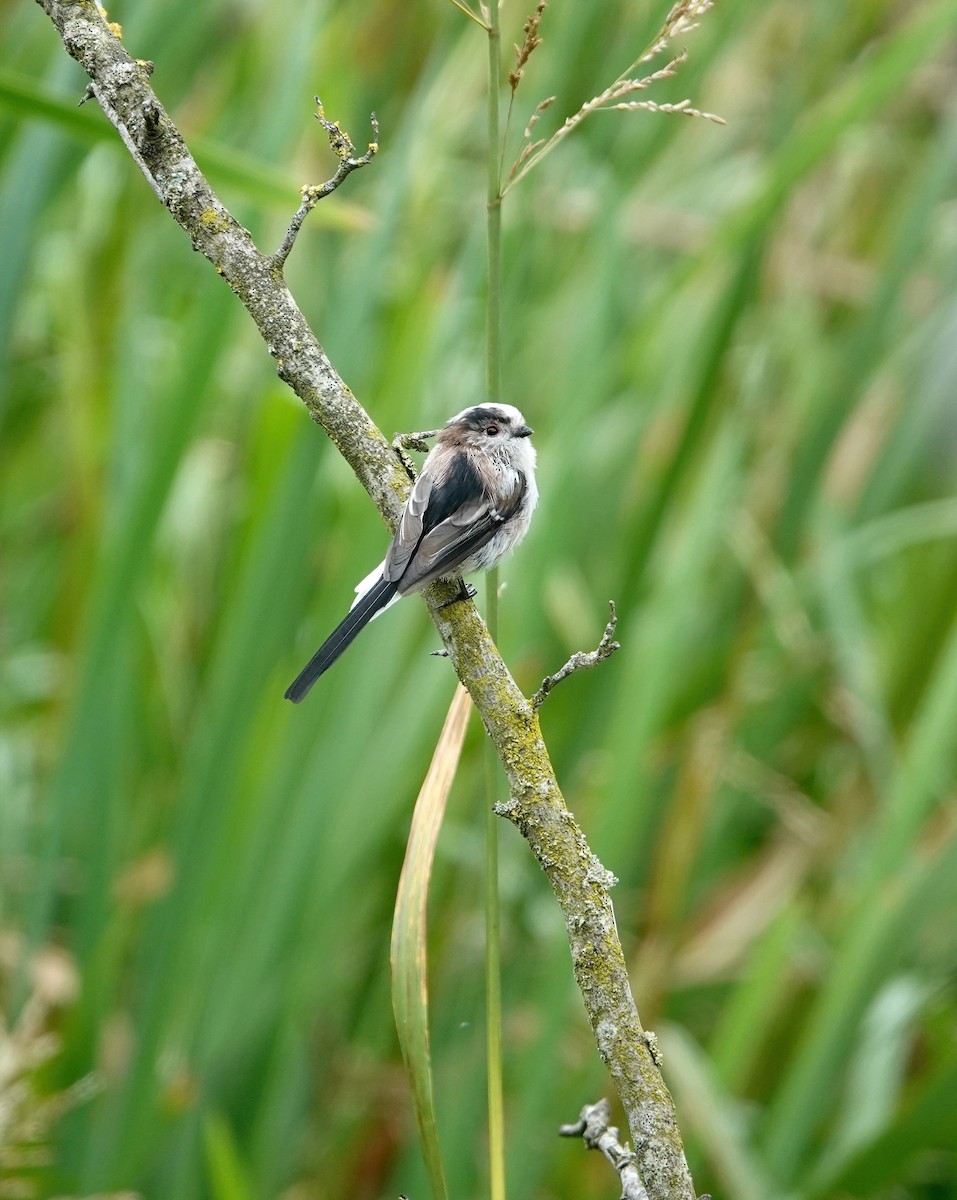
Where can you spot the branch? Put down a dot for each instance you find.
(582, 661)
(536, 805)
(593, 1127)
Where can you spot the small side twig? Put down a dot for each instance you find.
(593, 1127)
(583, 660)
(312, 193)
(147, 119)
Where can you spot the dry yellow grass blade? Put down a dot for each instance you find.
(410, 990)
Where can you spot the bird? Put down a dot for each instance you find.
(470, 506)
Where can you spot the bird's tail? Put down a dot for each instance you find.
(355, 620)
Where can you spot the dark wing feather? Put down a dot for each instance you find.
(462, 488)
(429, 506)
(449, 539)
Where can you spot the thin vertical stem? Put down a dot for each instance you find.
(493, 304)
(493, 390)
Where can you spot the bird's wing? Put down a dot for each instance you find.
(457, 519)
(411, 528)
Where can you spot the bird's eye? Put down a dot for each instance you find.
(491, 430)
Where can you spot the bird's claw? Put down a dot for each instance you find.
(466, 592)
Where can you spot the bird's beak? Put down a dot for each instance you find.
(524, 431)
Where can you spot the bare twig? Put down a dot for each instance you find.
(535, 805)
(583, 660)
(592, 1126)
(131, 136)
(411, 441)
(312, 193)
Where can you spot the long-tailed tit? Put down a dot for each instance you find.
(470, 506)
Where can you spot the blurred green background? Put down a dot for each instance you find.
(738, 348)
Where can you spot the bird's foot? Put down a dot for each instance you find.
(466, 592)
